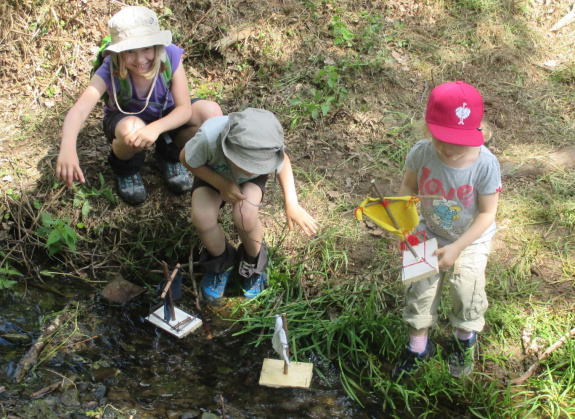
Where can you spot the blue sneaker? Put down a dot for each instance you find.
(213, 285)
(254, 285)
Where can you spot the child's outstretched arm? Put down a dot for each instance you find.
(294, 212)
(68, 166)
(180, 115)
(487, 211)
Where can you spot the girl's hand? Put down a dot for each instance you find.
(295, 213)
(231, 193)
(144, 137)
(447, 256)
(68, 168)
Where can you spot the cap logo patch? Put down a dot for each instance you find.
(462, 113)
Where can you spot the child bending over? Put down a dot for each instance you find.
(231, 158)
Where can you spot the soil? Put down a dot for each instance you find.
(231, 56)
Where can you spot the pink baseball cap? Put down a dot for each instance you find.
(454, 114)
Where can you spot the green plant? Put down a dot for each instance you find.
(341, 32)
(330, 92)
(58, 232)
(83, 194)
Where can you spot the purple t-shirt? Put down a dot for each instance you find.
(158, 98)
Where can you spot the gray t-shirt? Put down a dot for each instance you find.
(448, 218)
(205, 148)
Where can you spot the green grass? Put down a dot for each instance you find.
(357, 73)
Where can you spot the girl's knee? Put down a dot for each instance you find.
(202, 111)
(126, 127)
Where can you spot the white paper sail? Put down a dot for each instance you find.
(279, 341)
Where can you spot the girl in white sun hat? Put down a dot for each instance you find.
(148, 102)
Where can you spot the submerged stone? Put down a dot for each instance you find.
(17, 338)
(121, 291)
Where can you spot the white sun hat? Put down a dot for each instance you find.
(135, 27)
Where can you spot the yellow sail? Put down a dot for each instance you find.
(403, 210)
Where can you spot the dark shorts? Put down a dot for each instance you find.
(111, 120)
(259, 181)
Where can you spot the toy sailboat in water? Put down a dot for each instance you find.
(282, 372)
(166, 315)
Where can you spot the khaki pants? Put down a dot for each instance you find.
(467, 289)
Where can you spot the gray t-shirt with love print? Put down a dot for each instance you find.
(448, 218)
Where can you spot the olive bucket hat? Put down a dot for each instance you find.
(254, 141)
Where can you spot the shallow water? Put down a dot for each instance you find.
(129, 365)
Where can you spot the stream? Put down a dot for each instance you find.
(120, 365)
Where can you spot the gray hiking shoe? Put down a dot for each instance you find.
(460, 362)
(410, 362)
(131, 189)
(176, 176)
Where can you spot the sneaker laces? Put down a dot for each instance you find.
(464, 349)
(173, 169)
(247, 269)
(130, 181)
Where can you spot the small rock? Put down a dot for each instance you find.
(70, 398)
(121, 291)
(17, 338)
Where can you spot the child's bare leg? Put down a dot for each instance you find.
(205, 208)
(247, 221)
(202, 110)
(122, 148)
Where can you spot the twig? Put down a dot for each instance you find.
(543, 356)
(223, 406)
(167, 289)
(31, 357)
(82, 341)
(284, 324)
(169, 279)
(46, 390)
(393, 220)
(203, 318)
(369, 204)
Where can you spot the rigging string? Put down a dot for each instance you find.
(262, 205)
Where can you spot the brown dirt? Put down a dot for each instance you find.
(46, 52)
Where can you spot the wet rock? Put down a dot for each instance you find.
(17, 338)
(70, 398)
(208, 415)
(102, 374)
(120, 291)
(224, 370)
(90, 405)
(100, 392)
(171, 414)
(190, 415)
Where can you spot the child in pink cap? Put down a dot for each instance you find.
(456, 165)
